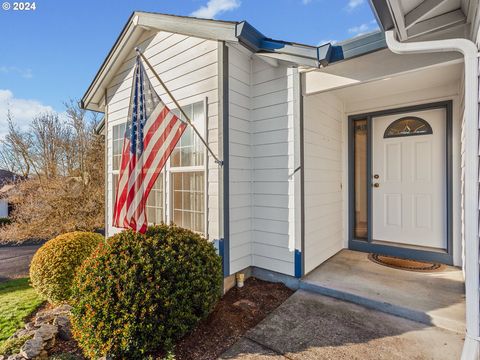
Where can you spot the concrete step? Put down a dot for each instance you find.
(433, 318)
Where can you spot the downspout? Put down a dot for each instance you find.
(469, 51)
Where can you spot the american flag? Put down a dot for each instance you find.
(150, 137)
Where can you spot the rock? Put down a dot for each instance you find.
(64, 328)
(246, 305)
(44, 318)
(62, 309)
(32, 348)
(23, 332)
(49, 343)
(30, 325)
(16, 357)
(43, 355)
(47, 331)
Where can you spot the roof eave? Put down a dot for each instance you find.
(86, 101)
(240, 32)
(141, 21)
(382, 14)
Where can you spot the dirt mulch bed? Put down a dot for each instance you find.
(237, 311)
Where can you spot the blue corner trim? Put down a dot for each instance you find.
(298, 264)
(220, 246)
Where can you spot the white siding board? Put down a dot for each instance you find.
(272, 135)
(240, 157)
(189, 66)
(323, 116)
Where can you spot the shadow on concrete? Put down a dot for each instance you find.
(311, 326)
(433, 298)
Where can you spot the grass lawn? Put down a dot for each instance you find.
(17, 301)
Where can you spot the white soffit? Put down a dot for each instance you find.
(370, 67)
(414, 18)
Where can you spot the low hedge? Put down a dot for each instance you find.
(137, 294)
(54, 265)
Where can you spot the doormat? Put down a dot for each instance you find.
(405, 264)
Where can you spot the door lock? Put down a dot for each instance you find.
(376, 176)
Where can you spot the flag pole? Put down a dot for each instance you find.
(217, 160)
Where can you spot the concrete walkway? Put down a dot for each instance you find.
(433, 298)
(312, 326)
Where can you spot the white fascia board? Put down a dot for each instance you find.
(296, 60)
(202, 28)
(137, 24)
(92, 98)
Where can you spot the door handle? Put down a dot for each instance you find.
(376, 185)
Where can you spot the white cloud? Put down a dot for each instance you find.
(363, 28)
(24, 73)
(306, 2)
(215, 7)
(352, 4)
(22, 110)
(360, 29)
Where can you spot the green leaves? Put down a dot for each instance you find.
(140, 293)
(54, 265)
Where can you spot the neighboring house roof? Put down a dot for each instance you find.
(231, 31)
(8, 181)
(8, 177)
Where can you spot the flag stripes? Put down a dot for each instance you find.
(151, 135)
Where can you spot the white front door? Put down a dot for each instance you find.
(409, 179)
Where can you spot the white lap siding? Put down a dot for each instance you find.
(323, 117)
(189, 67)
(240, 160)
(272, 124)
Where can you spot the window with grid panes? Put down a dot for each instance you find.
(185, 170)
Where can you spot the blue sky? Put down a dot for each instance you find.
(51, 54)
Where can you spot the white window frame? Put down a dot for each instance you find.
(168, 172)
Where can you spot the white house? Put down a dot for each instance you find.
(370, 144)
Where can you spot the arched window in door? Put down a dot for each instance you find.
(408, 126)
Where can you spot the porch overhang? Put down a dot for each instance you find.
(414, 18)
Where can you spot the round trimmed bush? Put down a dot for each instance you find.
(54, 265)
(137, 293)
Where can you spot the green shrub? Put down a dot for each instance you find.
(54, 265)
(138, 293)
(5, 221)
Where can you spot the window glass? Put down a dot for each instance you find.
(189, 200)
(360, 178)
(118, 136)
(408, 126)
(190, 150)
(185, 172)
(155, 202)
(114, 189)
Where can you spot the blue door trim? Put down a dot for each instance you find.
(369, 245)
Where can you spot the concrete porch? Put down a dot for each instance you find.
(432, 298)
